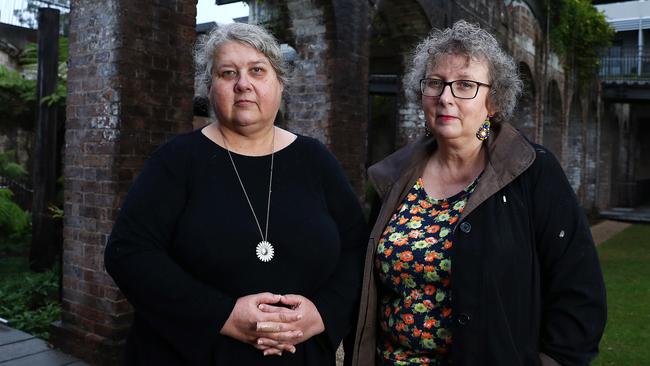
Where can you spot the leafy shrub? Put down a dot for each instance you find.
(30, 301)
(15, 223)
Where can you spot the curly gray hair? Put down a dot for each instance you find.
(476, 43)
(248, 34)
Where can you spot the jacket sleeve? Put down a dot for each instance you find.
(337, 301)
(182, 310)
(573, 292)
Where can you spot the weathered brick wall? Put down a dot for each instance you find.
(348, 42)
(309, 97)
(130, 83)
(574, 149)
(526, 37)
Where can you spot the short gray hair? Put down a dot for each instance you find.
(248, 34)
(468, 39)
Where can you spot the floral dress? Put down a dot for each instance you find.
(413, 262)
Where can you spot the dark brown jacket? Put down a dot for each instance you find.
(526, 287)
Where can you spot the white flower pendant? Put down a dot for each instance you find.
(264, 251)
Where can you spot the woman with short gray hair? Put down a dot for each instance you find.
(241, 241)
(476, 196)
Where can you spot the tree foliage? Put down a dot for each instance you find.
(578, 31)
(18, 91)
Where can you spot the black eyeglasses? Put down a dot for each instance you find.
(461, 89)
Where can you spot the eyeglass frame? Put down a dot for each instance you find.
(449, 83)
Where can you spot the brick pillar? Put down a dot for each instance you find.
(130, 87)
(348, 71)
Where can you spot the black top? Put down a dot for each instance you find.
(183, 249)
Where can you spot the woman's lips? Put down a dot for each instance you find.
(244, 102)
(446, 117)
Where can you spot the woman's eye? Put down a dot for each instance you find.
(257, 70)
(466, 85)
(228, 74)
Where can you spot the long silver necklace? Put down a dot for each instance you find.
(264, 249)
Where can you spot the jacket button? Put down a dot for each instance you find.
(465, 227)
(463, 319)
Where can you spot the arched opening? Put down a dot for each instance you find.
(396, 27)
(575, 146)
(552, 129)
(524, 116)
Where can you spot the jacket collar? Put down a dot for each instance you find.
(509, 155)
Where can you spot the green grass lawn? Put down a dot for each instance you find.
(625, 260)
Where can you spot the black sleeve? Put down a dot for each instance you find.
(573, 292)
(337, 301)
(185, 312)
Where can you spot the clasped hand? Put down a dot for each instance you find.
(273, 323)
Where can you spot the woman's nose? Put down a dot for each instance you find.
(446, 96)
(243, 84)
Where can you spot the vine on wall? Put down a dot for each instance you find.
(577, 32)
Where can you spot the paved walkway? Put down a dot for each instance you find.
(632, 214)
(21, 349)
(606, 229)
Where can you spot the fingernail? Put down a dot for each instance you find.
(299, 334)
(266, 353)
(280, 354)
(260, 306)
(292, 350)
(259, 341)
(299, 316)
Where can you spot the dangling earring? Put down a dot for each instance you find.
(484, 131)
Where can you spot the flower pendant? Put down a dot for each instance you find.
(264, 251)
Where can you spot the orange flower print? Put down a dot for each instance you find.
(416, 218)
(429, 289)
(453, 220)
(400, 326)
(397, 266)
(430, 240)
(408, 318)
(419, 267)
(416, 332)
(406, 256)
(429, 323)
(447, 244)
(446, 312)
(426, 335)
(429, 268)
(415, 210)
(425, 204)
(396, 280)
(411, 197)
(402, 220)
(401, 241)
(408, 302)
(433, 229)
(414, 234)
(444, 205)
(428, 304)
(431, 256)
(388, 252)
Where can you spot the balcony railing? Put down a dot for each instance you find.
(625, 64)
